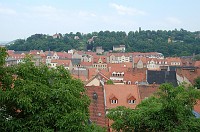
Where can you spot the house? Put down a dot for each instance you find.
(10, 61)
(99, 62)
(155, 63)
(57, 35)
(188, 74)
(66, 63)
(121, 95)
(86, 58)
(173, 61)
(119, 48)
(139, 62)
(148, 55)
(122, 74)
(95, 91)
(119, 57)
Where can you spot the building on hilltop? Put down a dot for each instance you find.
(119, 48)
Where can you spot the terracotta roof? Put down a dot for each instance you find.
(197, 64)
(143, 59)
(17, 56)
(121, 92)
(64, 55)
(124, 64)
(96, 58)
(86, 64)
(81, 77)
(189, 74)
(61, 62)
(92, 72)
(147, 90)
(173, 59)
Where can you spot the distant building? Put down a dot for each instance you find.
(76, 37)
(119, 48)
(57, 35)
(99, 50)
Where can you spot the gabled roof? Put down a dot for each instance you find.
(97, 58)
(137, 59)
(121, 92)
(131, 97)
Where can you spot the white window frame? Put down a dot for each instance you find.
(114, 101)
(131, 101)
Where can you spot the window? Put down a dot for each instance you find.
(114, 101)
(131, 101)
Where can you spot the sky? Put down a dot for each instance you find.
(23, 18)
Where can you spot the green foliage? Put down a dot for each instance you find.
(197, 82)
(3, 55)
(182, 42)
(169, 110)
(42, 99)
(197, 57)
(109, 82)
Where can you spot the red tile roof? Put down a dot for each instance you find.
(122, 93)
(147, 90)
(64, 55)
(197, 64)
(61, 62)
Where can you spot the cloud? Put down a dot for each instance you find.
(173, 20)
(86, 14)
(7, 11)
(123, 10)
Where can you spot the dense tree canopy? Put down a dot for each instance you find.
(170, 43)
(169, 110)
(3, 55)
(197, 82)
(42, 99)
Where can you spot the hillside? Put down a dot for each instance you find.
(170, 43)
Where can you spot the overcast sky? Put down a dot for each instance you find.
(22, 18)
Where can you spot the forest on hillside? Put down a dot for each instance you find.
(170, 43)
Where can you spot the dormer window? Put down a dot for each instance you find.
(131, 99)
(113, 99)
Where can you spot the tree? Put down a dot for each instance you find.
(197, 82)
(109, 82)
(3, 55)
(168, 110)
(42, 99)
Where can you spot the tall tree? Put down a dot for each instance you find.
(169, 110)
(3, 55)
(41, 99)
